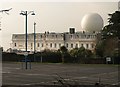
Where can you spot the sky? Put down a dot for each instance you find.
(49, 16)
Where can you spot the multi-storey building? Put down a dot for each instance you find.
(53, 41)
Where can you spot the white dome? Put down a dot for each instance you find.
(92, 22)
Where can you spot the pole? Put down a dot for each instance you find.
(26, 32)
(34, 41)
(25, 13)
(26, 61)
(26, 40)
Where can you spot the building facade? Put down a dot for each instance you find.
(53, 41)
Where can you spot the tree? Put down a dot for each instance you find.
(99, 49)
(80, 53)
(63, 51)
(112, 30)
(74, 54)
(84, 53)
(89, 53)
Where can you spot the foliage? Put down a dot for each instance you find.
(99, 49)
(113, 28)
(49, 56)
(110, 33)
(79, 53)
(63, 49)
(114, 17)
(74, 52)
(74, 56)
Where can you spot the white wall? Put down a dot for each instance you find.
(57, 38)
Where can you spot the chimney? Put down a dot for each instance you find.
(72, 30)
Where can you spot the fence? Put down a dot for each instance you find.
(54, 58)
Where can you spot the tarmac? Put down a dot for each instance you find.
(14, 73)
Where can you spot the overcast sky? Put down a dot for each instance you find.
(50, 16)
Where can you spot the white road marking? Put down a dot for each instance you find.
(6, 72)
(116, 83)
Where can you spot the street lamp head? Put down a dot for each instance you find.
(27, 13)
(34, 23)
(22, 13)
(33, 13)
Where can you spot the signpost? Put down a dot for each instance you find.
(26, 54)
(108, 59)
(26, 60)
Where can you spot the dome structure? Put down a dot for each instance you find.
(92, 22)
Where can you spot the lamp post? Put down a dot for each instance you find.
(26, 13)
(34, 41)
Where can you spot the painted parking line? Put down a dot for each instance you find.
(118, 83)
(84, 77)
(37, 74)
(10, 68)
(5, 72)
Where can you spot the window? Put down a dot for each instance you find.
(50, 44)
(81, 45)
(31, 44)
(88, 36)
(70, 36)
(92, 45)
(38, 45)
(59, 44)
(67, 45)
(15, 36)
(42, 45)
(87, 46)
(71, 45)
(76, 46)
(15, 44)
(55, 45)
(77, 36)
(41, 36)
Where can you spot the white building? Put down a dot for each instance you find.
(53, 41)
